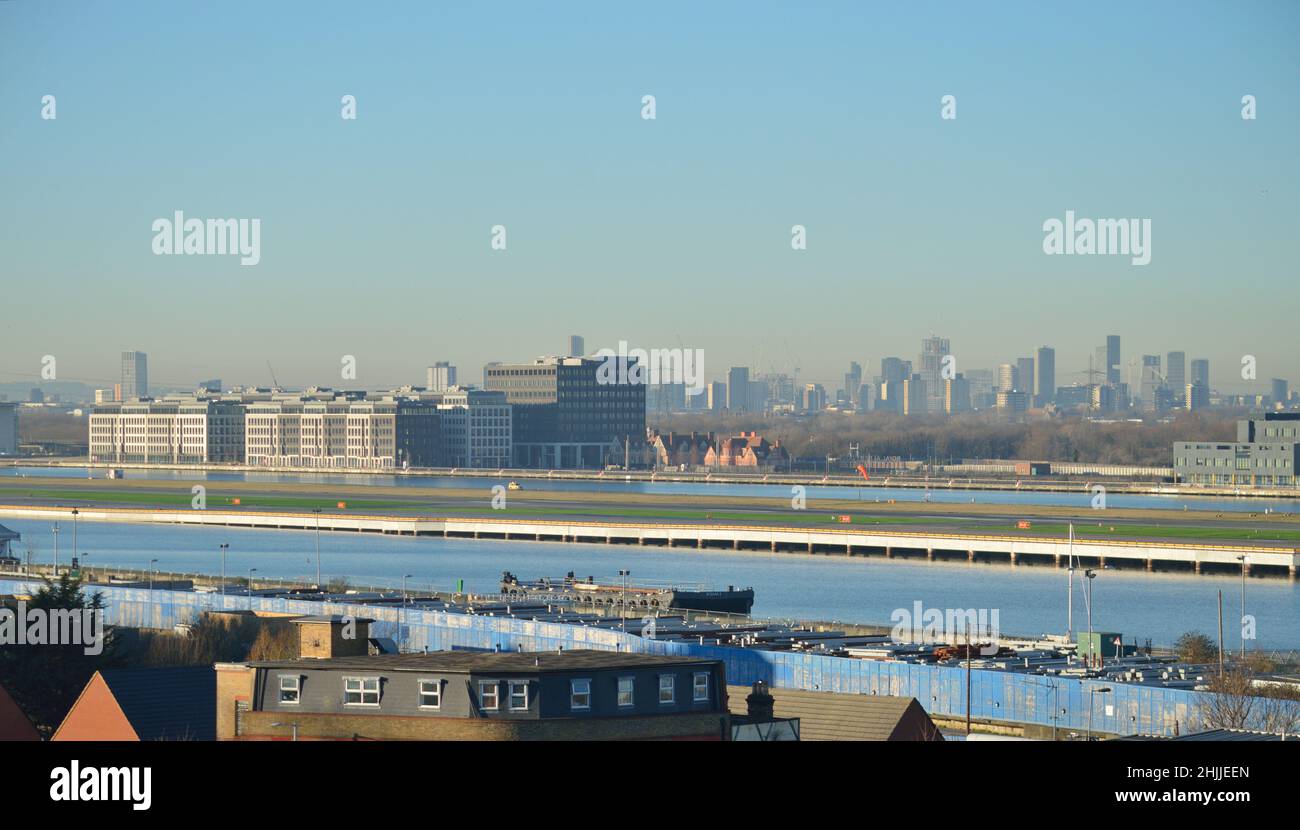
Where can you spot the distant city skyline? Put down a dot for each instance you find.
(376, 233)
(387, 376)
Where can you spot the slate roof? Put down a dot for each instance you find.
(168, 704)
(831, 716)
(14, 725)
(490, 662)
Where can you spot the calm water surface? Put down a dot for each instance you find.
(1031, 600)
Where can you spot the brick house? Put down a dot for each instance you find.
(748, 449)
(674, 449)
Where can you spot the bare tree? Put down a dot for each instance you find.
(968, 435)
(275, 642)
(1279, 709)
(1230, 700)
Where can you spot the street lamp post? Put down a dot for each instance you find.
(56, 550)
(623, 572)
(317, 512)
(152, 607)
(1091, 702)
(251, 571)
(404, 578)
(1056, 712)
(74, 538)
(224, 548)
(1242, 559)
(1069, 588)
(1091, 575)
(294, 726)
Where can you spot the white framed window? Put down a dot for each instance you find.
(626, 689)
(518, 695)
(361, 691)
(580, 694)
(430, 694)
(290, 687)
(489, 693)
(701, 687)
(667, 688)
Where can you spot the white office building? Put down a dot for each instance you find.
(476, 428)
(440, 377)
(324, 430)
(329, 434)
(181, 431)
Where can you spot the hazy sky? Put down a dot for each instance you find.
(375, 232)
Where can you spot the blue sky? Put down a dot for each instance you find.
(375, 232)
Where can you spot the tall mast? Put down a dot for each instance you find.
(1069, 575)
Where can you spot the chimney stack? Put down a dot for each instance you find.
(326, 636)
(759, 702)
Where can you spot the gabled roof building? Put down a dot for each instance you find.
(164, 704)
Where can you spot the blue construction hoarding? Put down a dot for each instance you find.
(1066, 703)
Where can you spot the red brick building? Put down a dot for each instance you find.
(674, 449)
(748, 449)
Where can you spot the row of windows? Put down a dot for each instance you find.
(1240, 463)
(1225, 478)
(500, 373)
(365, 691)
(459, 409)
(324, 462)
(309, 430)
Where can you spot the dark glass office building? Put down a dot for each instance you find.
(568, 413)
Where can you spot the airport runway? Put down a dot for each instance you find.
(1265, 529)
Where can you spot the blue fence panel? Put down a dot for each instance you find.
(1067, 703)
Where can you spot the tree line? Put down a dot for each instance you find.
(967, 436)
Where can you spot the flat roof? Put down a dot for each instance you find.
(493, 662)
(330, 618)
